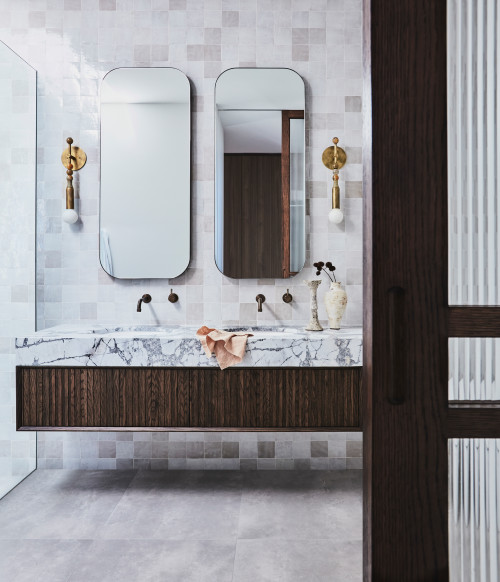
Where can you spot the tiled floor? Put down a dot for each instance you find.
(182, 526)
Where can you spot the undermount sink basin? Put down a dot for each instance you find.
(145, 330)
(263, 329)
(136, 328)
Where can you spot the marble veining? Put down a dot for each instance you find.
(78, 345)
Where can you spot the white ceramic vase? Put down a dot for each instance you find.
(335, 302)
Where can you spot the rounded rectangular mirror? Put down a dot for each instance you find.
(145, 173)
(259, 173)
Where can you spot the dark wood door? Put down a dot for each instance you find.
(408, 322)
(405, 274)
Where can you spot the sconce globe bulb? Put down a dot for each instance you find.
(70, 216)
(336, 216)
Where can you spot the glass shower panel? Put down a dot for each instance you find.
(17, 252)
(297, 196)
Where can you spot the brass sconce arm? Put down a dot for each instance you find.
(72, 158)
(334, 158)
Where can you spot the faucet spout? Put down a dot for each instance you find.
(146, 298)
(260, 300)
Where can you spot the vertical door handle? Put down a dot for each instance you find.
(397, 355)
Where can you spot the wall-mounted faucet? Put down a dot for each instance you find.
(260, 300)
(146, 298)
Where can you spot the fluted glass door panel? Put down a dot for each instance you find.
(474, 510)
(474, 368)
(473, 152)
(473, 39)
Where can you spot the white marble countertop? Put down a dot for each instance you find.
(112, 345)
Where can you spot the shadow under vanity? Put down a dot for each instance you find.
(158, 377)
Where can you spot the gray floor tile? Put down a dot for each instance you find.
(62, 504)
(156, 561)
(297, 561)
(302, 506)
(30, 560)
(178, 505)
(182, 526)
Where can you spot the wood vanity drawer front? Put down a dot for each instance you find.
(275, 397)
(197, 398)
(102, 397)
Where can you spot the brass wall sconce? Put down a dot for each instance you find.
(334, 159)
(73, 159)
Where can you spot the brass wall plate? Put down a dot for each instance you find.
(79, 158)
(328, 157)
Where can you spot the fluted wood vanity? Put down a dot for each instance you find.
(93, 394)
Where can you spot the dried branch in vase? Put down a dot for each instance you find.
(320, 266)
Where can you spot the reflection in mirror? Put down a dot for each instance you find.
(259, 173)
(145, 173)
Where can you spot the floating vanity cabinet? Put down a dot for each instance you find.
(154, 398)
(275, 398)
(52, 398)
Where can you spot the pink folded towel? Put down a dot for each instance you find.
(229, 346)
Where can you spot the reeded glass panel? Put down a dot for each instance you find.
(474, 502)
(473, 151)
(474, 277)
(474, 369)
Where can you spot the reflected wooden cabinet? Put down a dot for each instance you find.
(188, 398)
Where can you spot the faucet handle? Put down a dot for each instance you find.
(173, 297)
(287, 297)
